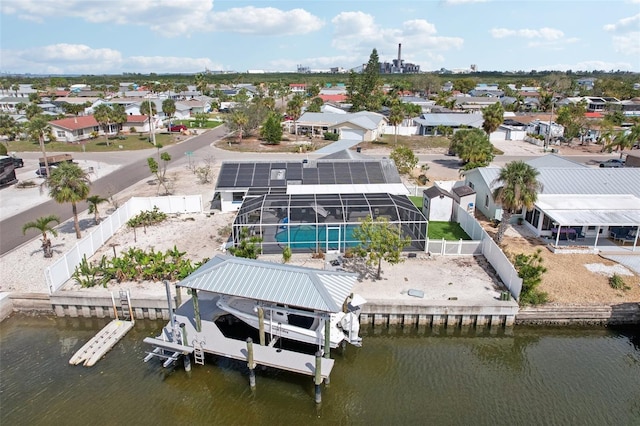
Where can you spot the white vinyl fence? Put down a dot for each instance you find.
(491, 252)
(61, 270)
(402, 130)
(448, 248)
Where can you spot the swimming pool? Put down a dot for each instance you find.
(312, 236)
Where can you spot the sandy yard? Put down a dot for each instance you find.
(567, 281)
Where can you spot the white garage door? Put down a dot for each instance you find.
(352, 134)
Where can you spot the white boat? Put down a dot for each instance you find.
(295, 324)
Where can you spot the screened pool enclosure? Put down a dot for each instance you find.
(308, 223)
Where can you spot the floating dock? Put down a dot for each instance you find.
(101, 343)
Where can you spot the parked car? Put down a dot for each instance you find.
(614, 162)
(42, 171)
(17, 162)
(178, 128)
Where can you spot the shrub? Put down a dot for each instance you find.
(286, 254)
(617, 282)
(530, 269)
(330, 136)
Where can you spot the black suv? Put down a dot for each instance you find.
(17, 162)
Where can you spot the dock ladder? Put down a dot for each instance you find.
(198, 352)
(125, 304)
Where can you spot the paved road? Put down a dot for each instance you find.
(124, 177)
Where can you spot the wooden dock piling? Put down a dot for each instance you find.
(250, 363)
(318, 377)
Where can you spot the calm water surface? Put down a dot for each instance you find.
(534, 376)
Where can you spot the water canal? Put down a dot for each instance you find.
(552, 376)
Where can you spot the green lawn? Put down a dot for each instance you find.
(416, 200)
(191, 124)
(448, 230)
(129, 143)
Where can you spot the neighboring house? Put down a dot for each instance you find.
(631, 107)
(544, 128)
(428, 124)
(509, 130)
(76, 129)
(8, 103)
(361, 126)
(298, 88)
(590, 200)
(474, 102)
(633, 159)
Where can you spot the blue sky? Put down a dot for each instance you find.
(189, 36)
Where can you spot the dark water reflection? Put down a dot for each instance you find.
(534, 376)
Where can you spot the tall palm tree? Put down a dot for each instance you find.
(118, 116)
(69, 184)
(102, 114)
(519, 190)
(43, 224)
(93, 202)
(38, 128)
(149, 109)
(169, 108)
(395, 118)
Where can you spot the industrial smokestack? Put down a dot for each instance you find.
(399, 54)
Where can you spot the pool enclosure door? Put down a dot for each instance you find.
(333, 239)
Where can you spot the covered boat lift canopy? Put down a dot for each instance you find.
(591, 210)
(306, 288)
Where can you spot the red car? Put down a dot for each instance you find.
(178, 128)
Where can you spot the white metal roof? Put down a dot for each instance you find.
(307, 288)
(391, 188)
(592, 210)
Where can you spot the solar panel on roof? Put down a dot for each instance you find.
(227, 177)
(326, 174)
(310, 176)
(358, 173)
(374, 173)
(294, 171)
(245, 175)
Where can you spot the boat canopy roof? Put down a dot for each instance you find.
(307, 288)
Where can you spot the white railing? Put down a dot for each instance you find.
(62, 269)
(491, 252)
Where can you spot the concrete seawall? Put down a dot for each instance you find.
(376, 313)
(453, 314)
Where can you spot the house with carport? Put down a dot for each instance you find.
(578, 205)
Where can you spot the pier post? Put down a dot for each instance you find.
(250, 363)
(261, 325)
(178, 296)
(318, 377)
(187, 362)
(196, 309)
(327, 338)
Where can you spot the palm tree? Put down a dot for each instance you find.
(69, 184)
(149, 109)
(622, 140)
(493, 116)
(118, 116)
(395, 118)
(102, 114)
(42, 224)
(93, 202)
(38, 128)
(519, 190)
(240, 120)
(169, 108)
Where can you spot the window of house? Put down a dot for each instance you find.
(547, 223)
(59, 133)
(238, 197)
(471, 185)
(486, 200)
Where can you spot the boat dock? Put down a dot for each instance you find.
(211, 340)
(101, 343)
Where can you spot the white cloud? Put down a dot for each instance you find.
(542, 33)
(82, 59)
(169, 64)
(266, 21)
(587, 66)
(357, 33)
(629, 44)
(169, 18)
(455, 2)
(630, 23)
